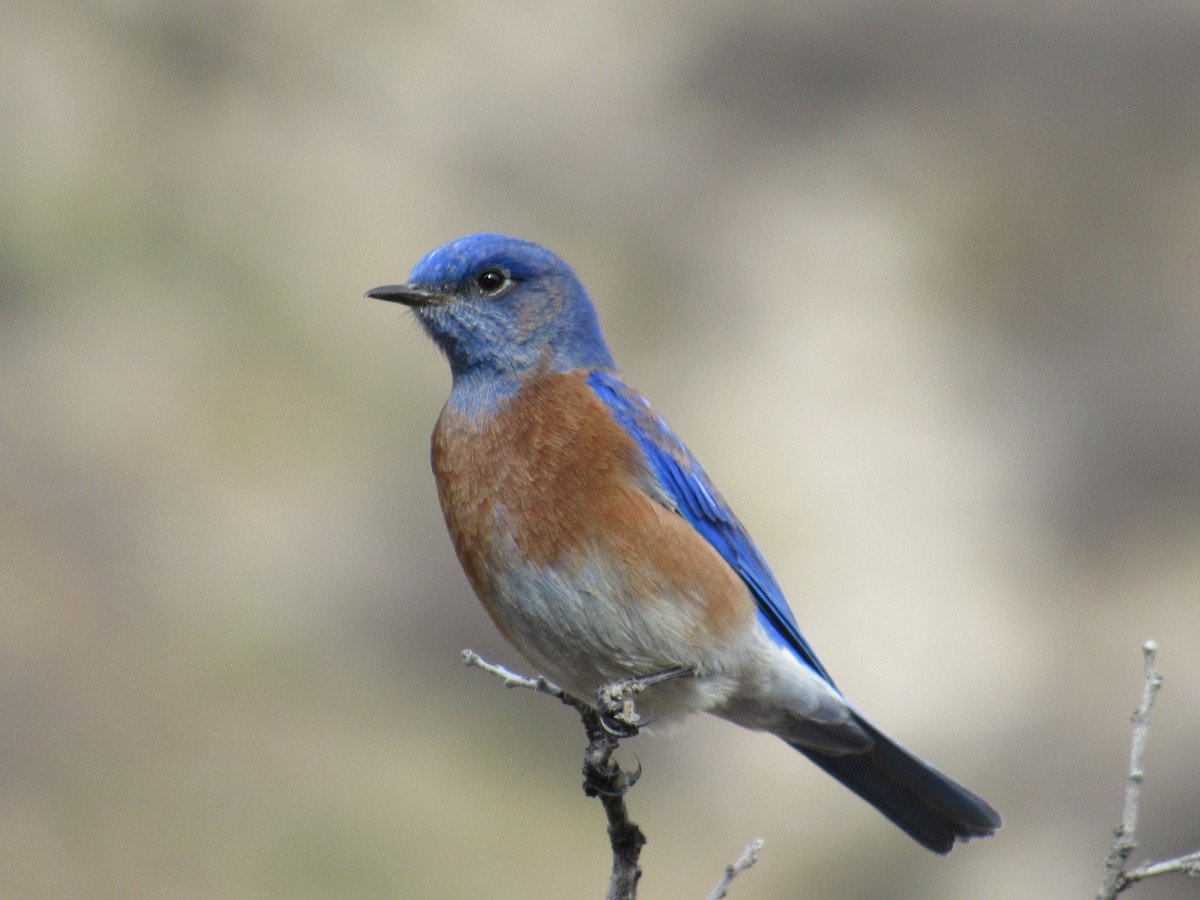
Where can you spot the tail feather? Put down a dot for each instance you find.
(933, 810)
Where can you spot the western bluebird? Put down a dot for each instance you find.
(602, 550)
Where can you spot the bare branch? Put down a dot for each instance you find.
(610, 721)
(1188, 864)
(1116, 879)
(748, 858)
(541, 684)
(1125, 836)
(604, 779)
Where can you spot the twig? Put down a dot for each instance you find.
(606, 724)
(604, 779)
(748, 858)
(541, 684)
(1189, 864)
(1116, 879)
(1125, 836)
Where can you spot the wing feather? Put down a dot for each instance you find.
(679, 482)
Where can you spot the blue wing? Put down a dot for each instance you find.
(683, 485)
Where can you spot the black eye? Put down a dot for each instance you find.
(491, 281)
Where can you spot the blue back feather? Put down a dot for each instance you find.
(688, 489)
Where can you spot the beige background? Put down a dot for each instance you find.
(919, 282)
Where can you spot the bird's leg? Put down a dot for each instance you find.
(615, 700)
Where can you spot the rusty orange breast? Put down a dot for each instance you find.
(553, 476)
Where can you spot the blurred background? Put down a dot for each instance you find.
(919, 282)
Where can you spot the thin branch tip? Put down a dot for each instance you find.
(748, 858)
(1116, 877)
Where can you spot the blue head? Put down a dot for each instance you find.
(501, 308)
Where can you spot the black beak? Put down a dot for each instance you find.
(408, 294)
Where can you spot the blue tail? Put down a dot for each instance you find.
(930, 808)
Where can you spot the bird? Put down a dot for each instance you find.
(602, 550)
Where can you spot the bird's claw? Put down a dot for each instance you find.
(615, 701)
(620, 783)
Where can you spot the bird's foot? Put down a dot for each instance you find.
(615, 701)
